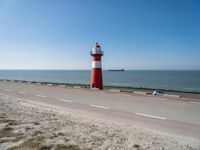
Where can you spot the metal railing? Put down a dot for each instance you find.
(96, 52)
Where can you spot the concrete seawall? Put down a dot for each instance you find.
(171, 94)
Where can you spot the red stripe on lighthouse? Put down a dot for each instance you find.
(96, 79)
(96, 58)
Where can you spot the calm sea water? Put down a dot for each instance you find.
(171, 80)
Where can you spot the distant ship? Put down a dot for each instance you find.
(116, 69)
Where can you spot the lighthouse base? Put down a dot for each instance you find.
(96, 79)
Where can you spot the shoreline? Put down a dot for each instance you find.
(141, 90)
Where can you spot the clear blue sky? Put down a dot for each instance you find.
(134, 34)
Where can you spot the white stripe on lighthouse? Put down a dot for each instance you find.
(96, 64)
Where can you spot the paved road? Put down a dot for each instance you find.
(155, 113)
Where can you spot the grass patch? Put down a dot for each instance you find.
(36, 123)
(36, 133)
(10, 122)
(6, 132)
(66, 147)
(36, 143)
(2, 116)
(4, 140)
(137, 146)
(4, 120)
(27, 128)
(18, 137)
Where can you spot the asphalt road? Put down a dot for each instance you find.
(155, 113)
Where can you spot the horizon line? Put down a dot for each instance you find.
(102, 69)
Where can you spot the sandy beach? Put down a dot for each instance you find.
(24, 125)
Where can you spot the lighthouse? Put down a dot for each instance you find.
(96, 73)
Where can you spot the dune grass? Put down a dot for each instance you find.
(37, 143)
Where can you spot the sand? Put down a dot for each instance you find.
(24, 125)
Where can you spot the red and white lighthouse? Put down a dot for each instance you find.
(96, 74)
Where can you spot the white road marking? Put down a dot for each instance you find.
(193, 102)
(40, 95)
(145, 115)
(7, 90)
(114, 90)
(38, 83)
(22, 92)
(156, 98)
(124, 94)
(61, 85)
(97, 106)
(64, 100)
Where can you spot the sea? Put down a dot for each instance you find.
(188, 81)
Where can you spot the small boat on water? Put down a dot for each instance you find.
(116, 69)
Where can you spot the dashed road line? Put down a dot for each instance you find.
(97, 106)
(145, 115)
(64, 100)
(40, 96)
(22, 92)
(124, 95)
(38, 83)
(156, 98)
